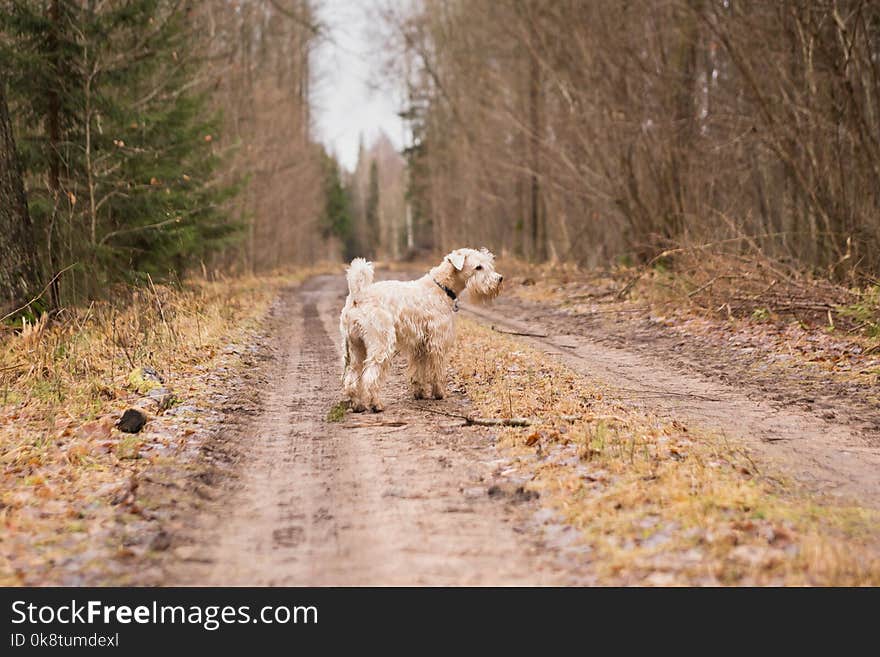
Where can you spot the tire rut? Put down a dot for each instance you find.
(824, 457)
(397, 498)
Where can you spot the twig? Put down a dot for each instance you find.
(618, 310)
(765, 290)
(668, 252)
(137, 229)
(496, 421)
(712, 282)
(649, 392)
(506, 421)
(523, 333)
(605, 418)
(302, 21)
(42, 292)
(643, 270)
(482, 421)
(161, 310)
(795, 305)
(367, 425)
(694, 293)
(591, 295)
(123, 346)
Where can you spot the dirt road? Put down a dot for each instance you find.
(396, 498)
(822, 449)
(412, 497)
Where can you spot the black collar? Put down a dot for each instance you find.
(449, 293)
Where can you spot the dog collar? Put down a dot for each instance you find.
(450, 294)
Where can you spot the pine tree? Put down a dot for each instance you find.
(417, 158)
(372, 211)
(18, 272)
(117, 147)
(337, 219)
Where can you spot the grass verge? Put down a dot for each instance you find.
(656, 501)
(69, 476)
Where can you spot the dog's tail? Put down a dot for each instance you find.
(359, 275)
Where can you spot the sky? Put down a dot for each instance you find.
(347, 65)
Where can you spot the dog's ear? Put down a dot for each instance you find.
(457, 259)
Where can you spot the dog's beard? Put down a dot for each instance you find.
(482, 292)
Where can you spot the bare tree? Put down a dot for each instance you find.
(590, 131)
(258, 73)
(18, 267)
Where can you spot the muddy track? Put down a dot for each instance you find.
(395, 498)
(403, 497)
(832, 455)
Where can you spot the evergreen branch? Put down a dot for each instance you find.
(136, 229)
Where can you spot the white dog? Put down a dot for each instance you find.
(414, 317)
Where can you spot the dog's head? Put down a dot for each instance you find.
(475, 271)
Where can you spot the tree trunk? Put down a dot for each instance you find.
(53, 128)
(18, 269)
(537, 234)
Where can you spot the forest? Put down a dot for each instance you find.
(608, 131)
(620, 324)
(154, 138)
(602, 133)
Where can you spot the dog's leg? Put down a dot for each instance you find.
(373, 378)
(418, 377)
(437, 369)
(354, 369)
(438, 346)
(380, 349)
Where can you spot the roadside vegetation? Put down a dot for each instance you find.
(656, 501)
(69, 475)
(749, 299)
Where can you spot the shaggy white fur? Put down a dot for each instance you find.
(413, 317)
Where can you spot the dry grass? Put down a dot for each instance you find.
(656, 501)
(709, 284)
(65, 467)
(78, 363)
(811, 321)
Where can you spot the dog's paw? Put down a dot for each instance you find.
(377, 408)
(358, 408)
(419, 394)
